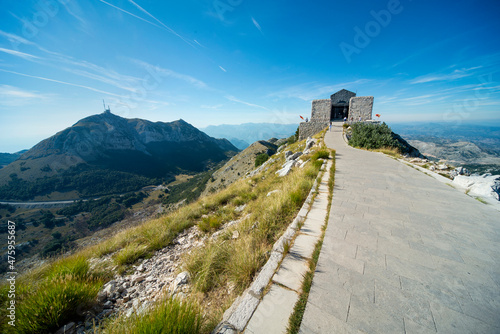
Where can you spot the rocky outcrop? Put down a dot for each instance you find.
(487, 185)
(239, 165)
(407, 149)
(151, 278)
(292, 159)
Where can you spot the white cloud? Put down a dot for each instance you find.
(14, 96)
(256, 24)
(212, 107)
(23, 55)
(170, 73)
(456, 74)
(312, 90)
(60, 82)
(222, 68)
(160, 22)
(14, 39)
(129, 13)
(77, 67)
(234, 99)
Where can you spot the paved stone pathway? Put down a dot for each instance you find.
(273, 312)
(403, 253)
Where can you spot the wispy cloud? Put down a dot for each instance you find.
(60, 82)
(456, 74)
(172, 74)
(203, 46)
(73, 66)
(23, 55)
(160, 22)
(212, 107)
(104, 79)
(234, 99)
(222, 68)
(257, 25)
(74, 10)
(313, 90)
(14, 96)
(129, 13)
(15, 39)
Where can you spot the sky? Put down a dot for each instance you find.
(214, 62)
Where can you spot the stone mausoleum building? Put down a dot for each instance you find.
(341, 104)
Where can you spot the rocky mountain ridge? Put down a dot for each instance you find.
(240, 164)
(107, 142)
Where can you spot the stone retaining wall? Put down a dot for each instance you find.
(308, 129)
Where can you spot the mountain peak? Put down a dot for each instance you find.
(111, 142)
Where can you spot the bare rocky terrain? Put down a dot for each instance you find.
(240, 165)
(460, 152)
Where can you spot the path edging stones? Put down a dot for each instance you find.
(239, 314)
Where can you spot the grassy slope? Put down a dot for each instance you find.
(66, 286)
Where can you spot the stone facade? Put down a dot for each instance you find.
(361, 106)
(341, 104)
(320, 111)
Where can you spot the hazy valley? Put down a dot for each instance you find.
(120, 172)
(476, 147)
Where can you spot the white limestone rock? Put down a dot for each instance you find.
(287, 168)
(486, 185)
(442, 167)
(293, 156)
(309, 143)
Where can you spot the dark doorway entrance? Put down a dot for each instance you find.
(339, 111)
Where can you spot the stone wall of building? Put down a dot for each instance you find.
(361, 106)
(321, 110)
(308, 129)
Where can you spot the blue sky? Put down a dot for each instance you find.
(215, 62)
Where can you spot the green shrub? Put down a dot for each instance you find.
(322, 154)
(260, 159)
(209, 223)
(169, 316)
(130, 254)
(373, 136)
(205, 266)
(67, 289)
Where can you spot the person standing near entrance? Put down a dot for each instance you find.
(359, 118)
(330, 126)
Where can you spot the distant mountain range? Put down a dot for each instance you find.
(7, 158)
(242, 135)
(472, 145)
(106, 153)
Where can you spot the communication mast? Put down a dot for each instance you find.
(106, 110)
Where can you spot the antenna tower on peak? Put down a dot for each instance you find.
(106, 110)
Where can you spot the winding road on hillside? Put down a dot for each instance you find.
(403, 253)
